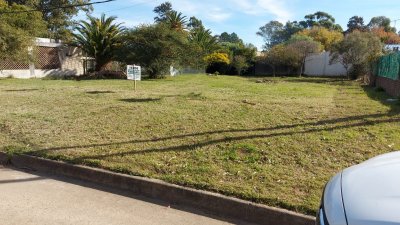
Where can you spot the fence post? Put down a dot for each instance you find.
(31, 63)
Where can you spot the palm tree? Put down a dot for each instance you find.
(99, 38)
(176, 20)
(204, 39)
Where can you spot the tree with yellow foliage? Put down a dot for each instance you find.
(217, 57)
(328, 38)
(217, 62)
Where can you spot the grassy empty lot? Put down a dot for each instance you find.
(276, 142)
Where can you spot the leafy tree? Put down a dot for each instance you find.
(277, 56)
(321, 19)
(243, 58)
(195, 24)
(356, 23)
(231, 38)
(272, 33)
(381, 21)
(240, 63)
(162, 11)
(302, 47)
(17, 31)
(155, 47)
(59, 21)
(217, 57)
(99, 38)
(291, 28)
(297, 38)
(217, 62)
(357, 51)
(275, 32)
(326, 37)
(224, 37)
(233, 50)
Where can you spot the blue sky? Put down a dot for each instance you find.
(245, 16)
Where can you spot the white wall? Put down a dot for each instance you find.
(23, 74)
(70, 58)
(27, 74)
(318, 65)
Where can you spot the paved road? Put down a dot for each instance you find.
(28, 199)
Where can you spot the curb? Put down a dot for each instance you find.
(212, 203)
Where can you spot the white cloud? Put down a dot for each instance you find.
(277, 8)
(205, 10)
(186, 6)
(222, 10)
(219, 11)
(248, 7)
(217, 14)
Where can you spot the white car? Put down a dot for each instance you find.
(365, 194)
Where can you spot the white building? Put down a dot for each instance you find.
(394, 48)
(53, 58)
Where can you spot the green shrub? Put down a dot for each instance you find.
(358, 70)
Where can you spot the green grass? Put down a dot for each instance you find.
(275, 143)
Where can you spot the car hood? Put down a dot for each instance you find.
(371, 191)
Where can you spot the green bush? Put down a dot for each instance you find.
(358, 70)
(155, 48)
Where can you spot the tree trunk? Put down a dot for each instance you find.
(301, 70)
(302, 67)
(98, 67)
(274, 71)
(101, 65)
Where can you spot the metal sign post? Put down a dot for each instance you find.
(134, 73)
(134, 85)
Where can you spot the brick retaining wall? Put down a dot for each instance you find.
(392, 87)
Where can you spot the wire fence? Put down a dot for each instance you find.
(388, 66)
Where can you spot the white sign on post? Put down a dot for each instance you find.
(134, 72)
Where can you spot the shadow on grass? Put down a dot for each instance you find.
(22, 90)
(237, 138)
(310, 127)
(382, 97)
(231, 135)
(163, 79)
(140, 100)
(330, 81)
(99, 92)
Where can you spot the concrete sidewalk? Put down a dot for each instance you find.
(26, 198)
